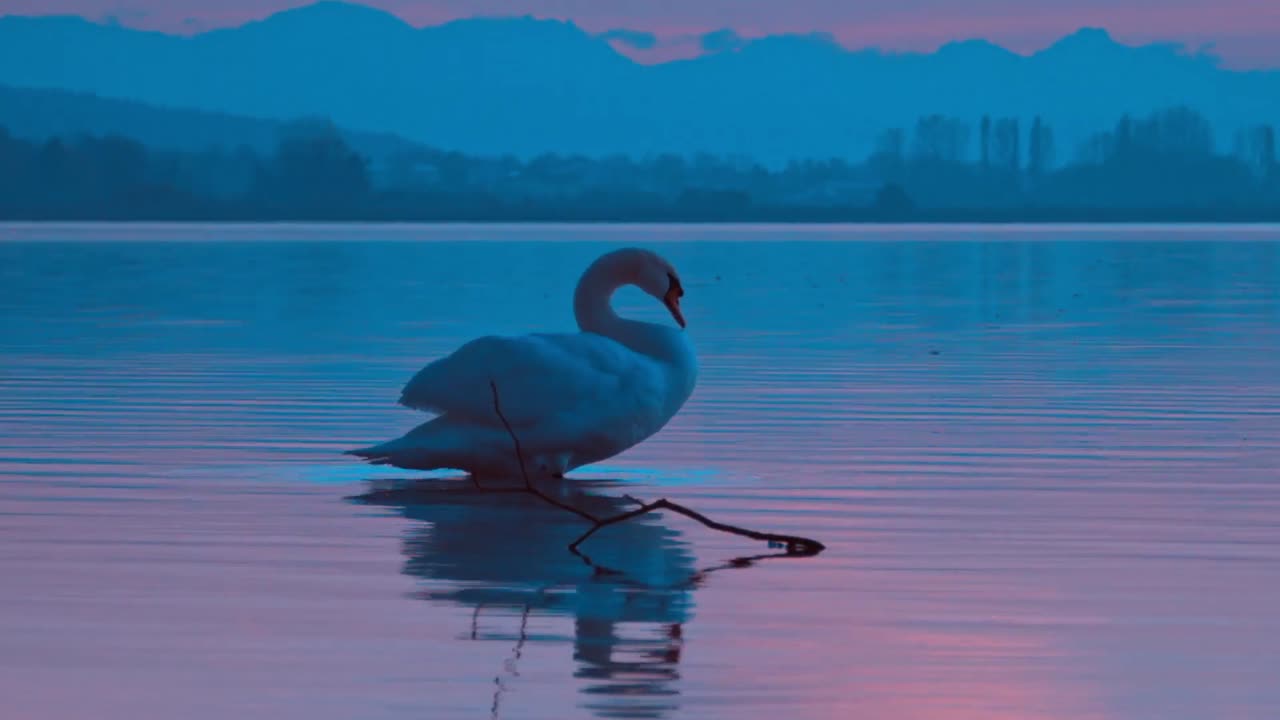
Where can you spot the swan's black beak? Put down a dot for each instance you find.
(672, 299)
(673, 304)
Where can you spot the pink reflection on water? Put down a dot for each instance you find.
(1045, 520)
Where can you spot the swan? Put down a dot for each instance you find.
(571, 398)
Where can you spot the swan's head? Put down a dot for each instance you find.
(659, 278)
(645, 269)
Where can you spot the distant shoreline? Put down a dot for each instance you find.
(432, 210)
(1162, 168)
(116, 231)
(1264, 217)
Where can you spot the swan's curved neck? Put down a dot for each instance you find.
(591, 307)
(591, 299)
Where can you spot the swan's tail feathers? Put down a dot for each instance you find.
(382, 454)
(372, 451)
(409, 452)
(379, 454)
(438, 444)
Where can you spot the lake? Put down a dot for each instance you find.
(1044, 462)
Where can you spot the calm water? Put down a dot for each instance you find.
(1044, 461)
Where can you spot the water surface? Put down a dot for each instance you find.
(1044, 462)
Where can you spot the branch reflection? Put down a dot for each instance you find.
(505, 556)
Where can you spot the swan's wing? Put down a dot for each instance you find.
(538, 376)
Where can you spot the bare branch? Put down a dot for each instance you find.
(795, 545)
(524, 472)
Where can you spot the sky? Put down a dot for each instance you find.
(1244, 33)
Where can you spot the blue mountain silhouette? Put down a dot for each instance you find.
(40, 113)
(528, 86)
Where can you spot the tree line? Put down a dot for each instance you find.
(1163, 166)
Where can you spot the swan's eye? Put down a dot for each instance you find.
(674, 285)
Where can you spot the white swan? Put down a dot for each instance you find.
(572, 399)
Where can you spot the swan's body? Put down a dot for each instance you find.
(571, 398)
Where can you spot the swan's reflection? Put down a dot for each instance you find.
(507, 552)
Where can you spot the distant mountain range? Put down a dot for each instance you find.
(525, 86)
(40, 113)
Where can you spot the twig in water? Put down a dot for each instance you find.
(528, 482)
(795, 545)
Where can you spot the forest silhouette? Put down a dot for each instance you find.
(1163, 166)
